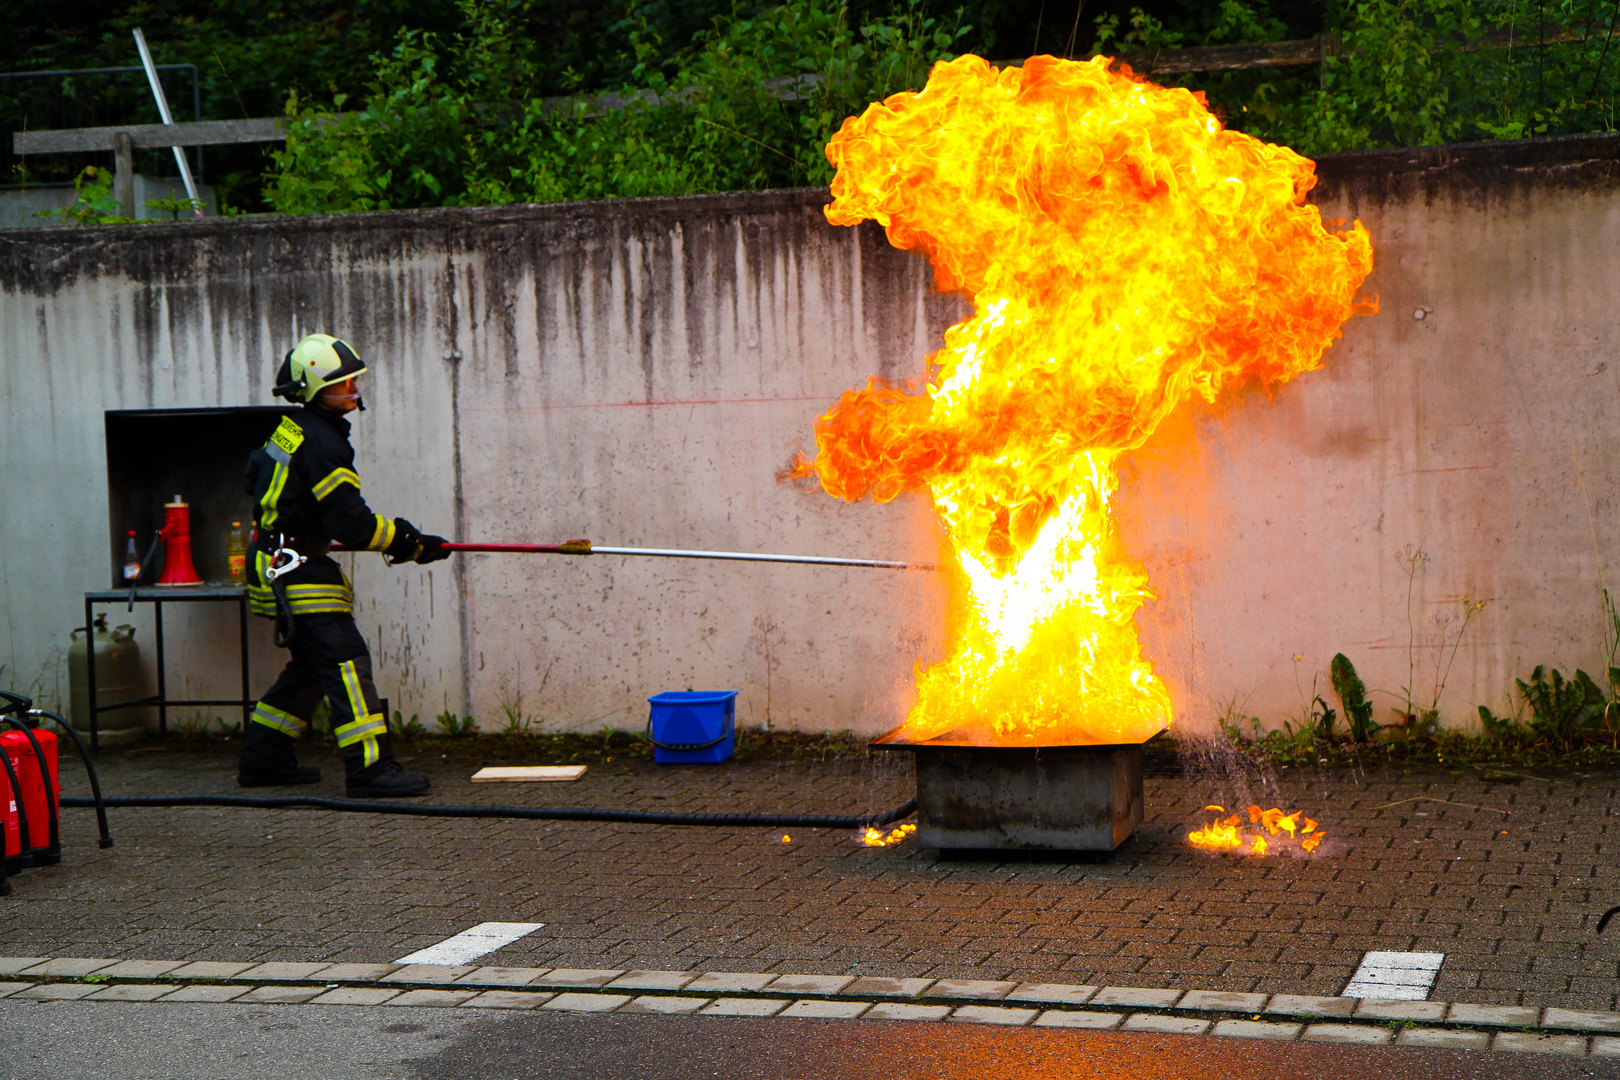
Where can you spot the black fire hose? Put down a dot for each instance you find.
(536, 813)
(16, 704)
(95, 799)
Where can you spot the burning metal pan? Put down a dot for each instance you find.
(1024, 798)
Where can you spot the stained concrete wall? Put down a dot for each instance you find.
(1472, 419)
(633, 372)
(638, 372)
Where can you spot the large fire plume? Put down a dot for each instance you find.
(1124, 254)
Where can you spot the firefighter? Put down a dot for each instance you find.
(306, 495)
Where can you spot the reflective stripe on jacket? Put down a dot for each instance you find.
(305, 489)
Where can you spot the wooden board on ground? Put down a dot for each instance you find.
(494, 773)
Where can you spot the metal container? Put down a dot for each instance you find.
(119, 677)
(1028, 798)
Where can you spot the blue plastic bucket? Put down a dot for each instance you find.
(688, 727)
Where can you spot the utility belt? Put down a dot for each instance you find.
(275, 557)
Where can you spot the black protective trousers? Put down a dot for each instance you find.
(329, 660)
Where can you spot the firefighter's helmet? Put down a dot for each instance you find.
(316, 362)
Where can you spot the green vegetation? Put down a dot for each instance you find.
(456, 727)
(1408, 72)
(445, 123)
(93, 202)
(442, 125)
(1571, 723)
(472, 102)
(1353, 696)
(407, 729)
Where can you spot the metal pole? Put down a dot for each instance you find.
(585, 547)
(755, 556)
(163, 111)
(90, 671)
(93, 71)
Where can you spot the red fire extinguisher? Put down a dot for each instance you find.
(30, 790)
(29, 798)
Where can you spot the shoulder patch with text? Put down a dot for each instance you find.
(288, 435)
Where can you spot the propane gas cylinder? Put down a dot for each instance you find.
(118, 678)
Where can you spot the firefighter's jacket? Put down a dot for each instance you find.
(306, 494)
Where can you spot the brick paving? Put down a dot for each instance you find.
(1512, 900)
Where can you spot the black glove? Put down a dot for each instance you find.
(407, 545)
(433, 549)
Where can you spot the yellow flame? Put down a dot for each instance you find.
(1229, 833)
(875, 837)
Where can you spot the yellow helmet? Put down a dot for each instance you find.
(318, 361)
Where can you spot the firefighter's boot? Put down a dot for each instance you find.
(268, 760)
(384, 778)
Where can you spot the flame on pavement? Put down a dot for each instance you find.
(873, 836)
(1232, 833)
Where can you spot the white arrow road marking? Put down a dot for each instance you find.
(1395, 976)
(471, 944)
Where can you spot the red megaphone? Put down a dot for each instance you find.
(176, 534)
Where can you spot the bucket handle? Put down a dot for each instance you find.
(725, 733)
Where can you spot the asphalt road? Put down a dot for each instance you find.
(181, 1041)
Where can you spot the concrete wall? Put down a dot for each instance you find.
(637, 372)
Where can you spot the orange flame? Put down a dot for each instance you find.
(1223, 835)
(875, 837)
(1124, 254)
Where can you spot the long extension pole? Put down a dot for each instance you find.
(585, 547)
(163, 111)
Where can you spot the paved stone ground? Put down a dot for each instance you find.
(1512, 900)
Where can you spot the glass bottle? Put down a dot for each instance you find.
(132, 560)
(236, 550)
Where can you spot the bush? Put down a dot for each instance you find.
(1406, 73)
(751, 107)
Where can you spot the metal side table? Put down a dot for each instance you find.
(158, 596)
